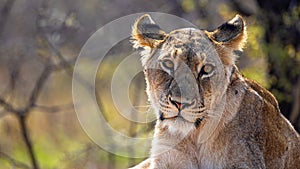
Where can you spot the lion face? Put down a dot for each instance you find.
(180, 76)
(188, 70)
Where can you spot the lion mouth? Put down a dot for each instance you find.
(179, 117)
(190, 113)
(190, 117)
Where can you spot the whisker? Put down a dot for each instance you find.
(195, 114)
(164, 104)
(163, 109)
(213, 115)
(141, 106)
(166, 110)
(196, 109)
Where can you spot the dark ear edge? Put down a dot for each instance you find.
(232, 34)
(146, 33)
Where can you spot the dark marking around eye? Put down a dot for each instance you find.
(168, 84)
(161, 116)
(206, 69)
(198, 122)
(168, 64)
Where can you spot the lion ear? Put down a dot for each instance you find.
(145, 33)
(230, 36)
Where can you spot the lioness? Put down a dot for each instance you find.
(208, 115)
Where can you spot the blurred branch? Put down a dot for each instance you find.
(32, 101)
(68, 66)
(22, 114)
(53, 109)
(14, 75)
(8, 107)
(22, 121)
(14, 162)
(38, 87)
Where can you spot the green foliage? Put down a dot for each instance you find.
(255, 43)
(224, 11)
(284, 59)
(188, 5)
(257, 74)
(256, 69)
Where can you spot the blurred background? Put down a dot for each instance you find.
(41, 39)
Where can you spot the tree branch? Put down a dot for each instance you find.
(68, 67)
(22, 121)
(14, 162)
(7, 107)
(37, 88)
(53, 109)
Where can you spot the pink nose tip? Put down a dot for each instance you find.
(177, 104)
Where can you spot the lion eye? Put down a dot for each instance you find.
(207, 69)
(168, 64)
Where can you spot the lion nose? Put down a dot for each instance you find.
(176, 103)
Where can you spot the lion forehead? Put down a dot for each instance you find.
(192, 42)
(188, 36)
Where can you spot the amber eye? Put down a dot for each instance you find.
(207, 69)
(168, 64)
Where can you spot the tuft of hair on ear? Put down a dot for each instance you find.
(146, 33)
(229, 37)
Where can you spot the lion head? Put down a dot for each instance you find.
(187, 71)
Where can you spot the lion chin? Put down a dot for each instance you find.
(178, 125)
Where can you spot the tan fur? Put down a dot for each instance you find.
(241, 127)
(138, 30)
(225, 49)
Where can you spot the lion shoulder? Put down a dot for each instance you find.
(261, 91)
